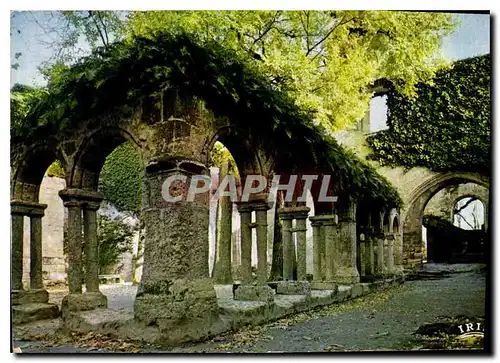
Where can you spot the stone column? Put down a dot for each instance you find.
(36, 260)
(287, 245)
(261, 219)
(17, 249)
(91, 251)
(330, 235)
(317, 242)
(76, 200)
(346, 271)
(36, 293)
(370, 255)
(389, 241)
(245, 211)
(398, 252)
(362, 255)
(74, 240)
(300, 215)
(29, 305)
(379, 254)
(248, 291)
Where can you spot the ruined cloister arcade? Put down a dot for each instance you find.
(363, 236)
(175, 273)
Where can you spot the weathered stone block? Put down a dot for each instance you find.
(294, 288)
(174, 303)
(324, 285)
(33, 311)
(254, 293)
(366, 287)
(82, 302)
(356, 290)
(20, 297)
(343, 292)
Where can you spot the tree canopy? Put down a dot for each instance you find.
(447, 127)
(326, 59)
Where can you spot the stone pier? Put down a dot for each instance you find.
(345, 267)
(176, 294)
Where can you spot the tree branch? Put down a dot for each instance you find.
(98, 29)
(327, 35)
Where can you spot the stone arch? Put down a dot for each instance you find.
(385, 220)
(395, 226)
(28, 171)
(92, 153)
(412, 228)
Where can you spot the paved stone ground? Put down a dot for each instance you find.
(119, 296)
(382, 321)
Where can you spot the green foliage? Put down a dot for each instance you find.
(447, 127)
(114, 238)
(220, 155)
(56, 170)
(22, 100)
(121, 178)
(326, 59)
(230, 85)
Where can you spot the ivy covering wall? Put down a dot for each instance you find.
(446, 128)
(121, 178)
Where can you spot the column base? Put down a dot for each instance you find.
(324, 285)
(294, 288)
(20, 297)
(181, 305)
(254, 293)
(82, 302)
(28, 312)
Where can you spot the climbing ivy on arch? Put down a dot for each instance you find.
(121, 75)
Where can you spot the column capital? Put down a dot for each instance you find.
(25, 208)
(300, 212)
(244, 207)
(88, 199)
(92, 205)
(294, 212)
(261, 205)
(324, 219)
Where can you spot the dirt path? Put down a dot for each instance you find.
(382, 321)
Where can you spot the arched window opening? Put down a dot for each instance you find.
(468, 213)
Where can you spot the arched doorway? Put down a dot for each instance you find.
(412, 228)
